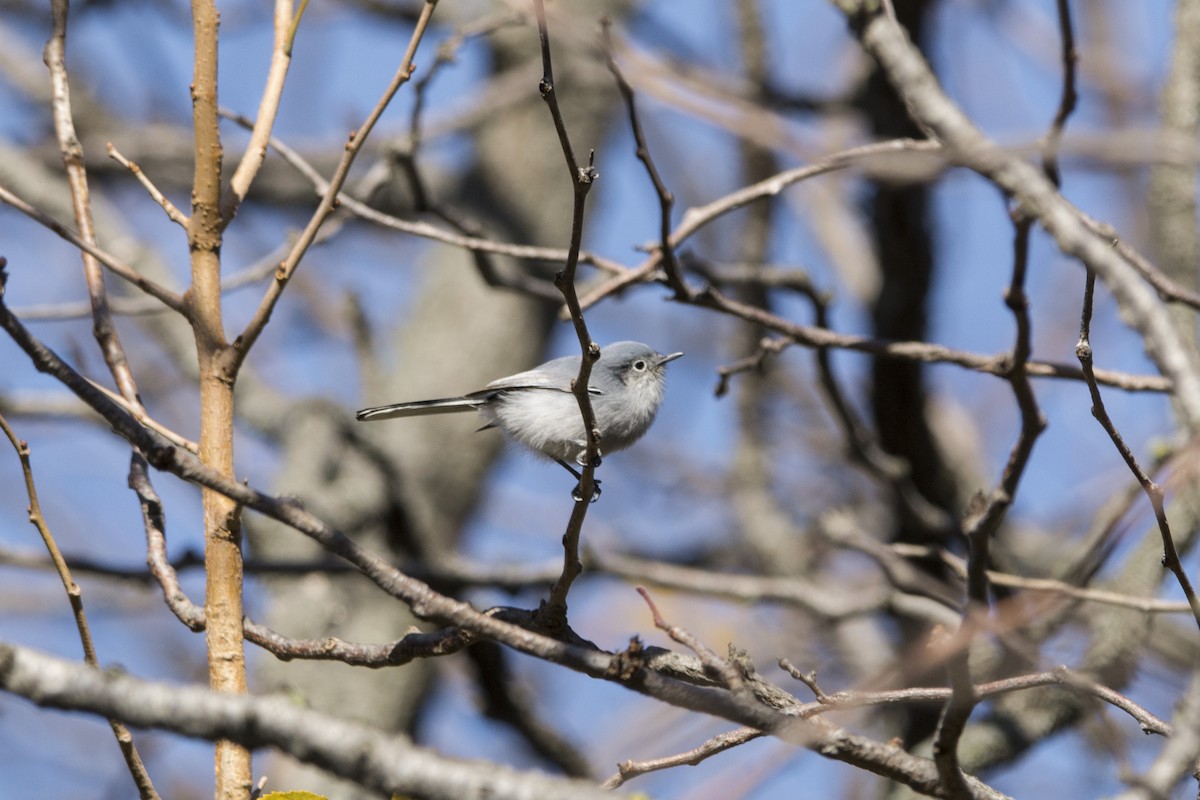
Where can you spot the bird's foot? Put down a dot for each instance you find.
(577, 492)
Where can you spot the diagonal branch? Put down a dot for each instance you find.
(1154, 492)
(287, 267)
(666, 200)
(170, 299)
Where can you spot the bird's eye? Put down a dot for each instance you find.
(639, 365)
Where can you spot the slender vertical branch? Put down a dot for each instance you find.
(222, 517)
(582, 178)
(546, 89)
(983, 523)
(1067, 99)
(72, 156)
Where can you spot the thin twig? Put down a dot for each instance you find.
(424, 229)
(1167, 287)
(717, 668)
(984, 522)
(850, 700)
(406, 157)
(1067, 99)
(141, 415)
(1059, 676)
(926, 352)
(133, 759)
(330, 648)
(628, 770)
(809, 679)
(1154, 492)
(172, 211)
(170, 299)
(1147, 605)
(698, 217)
(864, 449)
(71, 150)
(666, 200)
(256, 272)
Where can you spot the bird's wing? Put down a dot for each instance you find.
(557, 380)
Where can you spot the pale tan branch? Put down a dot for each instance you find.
(173, 213)
(286, 22)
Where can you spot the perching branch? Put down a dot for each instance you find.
(582, 179)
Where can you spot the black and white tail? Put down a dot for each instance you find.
(448, 405)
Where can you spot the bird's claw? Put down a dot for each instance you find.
(577, 492)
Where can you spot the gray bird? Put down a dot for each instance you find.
(537, 409)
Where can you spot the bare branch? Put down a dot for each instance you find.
(1153, 491)
(133, 760)
(173, 213)
(424, 229)
(386, 764)
(666, 200)
(697, 217)
(582, 178)
(285, 25)
(119, 268)
(628, 770)
(1036, 196)
(717, 668)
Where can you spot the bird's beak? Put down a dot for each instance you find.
(664, 359)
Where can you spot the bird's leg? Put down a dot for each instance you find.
(576, 493)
